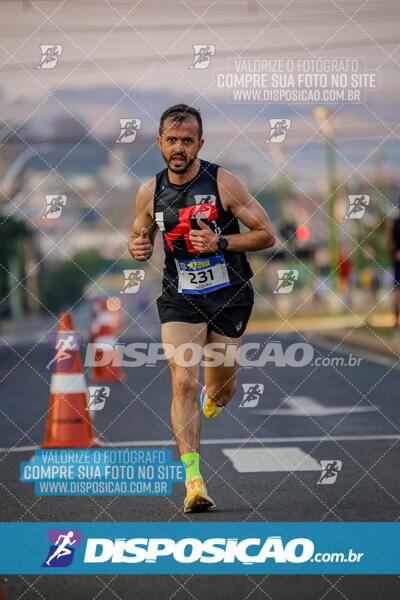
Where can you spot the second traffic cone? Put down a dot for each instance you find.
(99, 305)
(69, 424)
(105, 341)
(109, 362)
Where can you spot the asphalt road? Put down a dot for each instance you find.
(313, 421)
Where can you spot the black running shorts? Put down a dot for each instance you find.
(226, 311)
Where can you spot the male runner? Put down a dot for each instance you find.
(393, 245)
(206, 293)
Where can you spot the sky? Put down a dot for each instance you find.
(132, 59)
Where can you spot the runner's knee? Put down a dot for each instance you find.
(185, 384)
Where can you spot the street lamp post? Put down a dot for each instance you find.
(282, 188)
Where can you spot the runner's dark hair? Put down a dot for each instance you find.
(181, 112)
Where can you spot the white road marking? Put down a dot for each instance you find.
(241, 441)
(269, 460)
(303, 406)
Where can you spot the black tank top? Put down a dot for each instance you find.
(173, 207)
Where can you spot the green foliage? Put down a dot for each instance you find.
(11, 231)
(62, 284)
(12, 234)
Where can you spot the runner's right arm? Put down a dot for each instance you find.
(144, 229)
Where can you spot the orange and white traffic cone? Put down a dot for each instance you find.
(99, 305)
(109, 362)
(69, 424)
(117, 321)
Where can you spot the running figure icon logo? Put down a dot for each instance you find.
(62, 547)
(54, 205)
(129, 129)
(61, 349)
(251, 394)
(329, 471)
(287, 277)
(50, 55)
(97, 397)
(278, 129)
(357, 205)
(203, 54)
(133, 279)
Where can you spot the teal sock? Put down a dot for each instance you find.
(191, 462)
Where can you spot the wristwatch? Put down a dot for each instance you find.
(222, 242)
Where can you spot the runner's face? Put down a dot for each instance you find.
(179, 143)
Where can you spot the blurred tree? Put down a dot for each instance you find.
(12, 234)
(268, 198)
(61, 285)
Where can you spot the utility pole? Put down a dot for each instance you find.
(282, 186)
(322, 115)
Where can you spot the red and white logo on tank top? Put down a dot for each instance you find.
(208, 211)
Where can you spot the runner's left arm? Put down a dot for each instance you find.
(235, 197)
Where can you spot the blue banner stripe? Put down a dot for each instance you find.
(213, 548)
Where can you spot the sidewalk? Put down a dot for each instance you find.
(26, 330)
(367, 339)
(308, 323)
(33, 329)
(352, 330)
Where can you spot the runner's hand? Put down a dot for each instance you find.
(203, 239)
(142, 247)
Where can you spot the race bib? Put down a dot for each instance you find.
(202, 275)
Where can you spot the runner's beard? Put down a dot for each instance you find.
(179, 169)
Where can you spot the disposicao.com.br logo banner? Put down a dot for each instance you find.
(214, 548)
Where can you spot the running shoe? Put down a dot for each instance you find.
(209, 409)
(197, 499)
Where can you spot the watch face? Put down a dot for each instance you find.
(222, 243)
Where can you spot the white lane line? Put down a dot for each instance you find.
(242, 441)
(20, 449)
(303, 406)
(269, 460)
